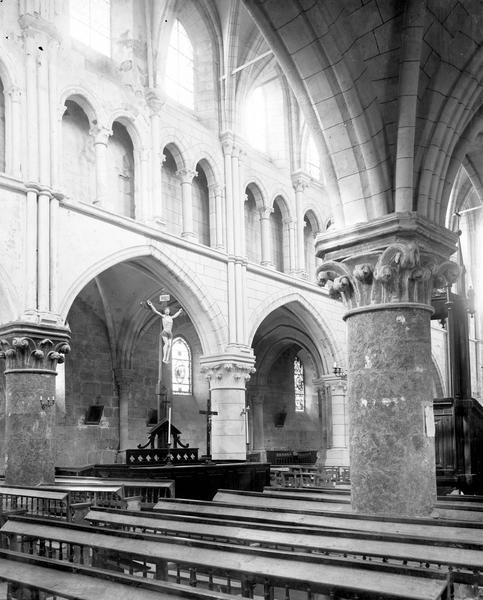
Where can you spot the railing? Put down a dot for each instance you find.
(161, 456)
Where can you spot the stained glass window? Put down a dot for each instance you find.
(180, 67)
(90, 23)
(181, 366)
(299, 385)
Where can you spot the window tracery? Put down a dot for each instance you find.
(299, 384)
(179, 83)
(181, 367)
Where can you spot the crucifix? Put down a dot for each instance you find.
(209, 413)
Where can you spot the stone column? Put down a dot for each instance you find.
(266, 237)
(101, 137)
(227, 375)
(384, 271)
(186, 178)
(13, 133)
(124, 379)
(300, 182)
(155, 103)
(258, 428)
(292, 256)
(216, 198)
(337, 427)
(43, 250)
(31, 354)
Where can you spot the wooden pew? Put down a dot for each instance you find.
(326, 502)
(41, 502)
(464, 561)
(150, 490)
(66, 580)
(250, 566)
(422, 527)
(443, 508)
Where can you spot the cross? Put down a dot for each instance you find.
(209, 413)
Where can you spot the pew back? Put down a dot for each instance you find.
(251, 566)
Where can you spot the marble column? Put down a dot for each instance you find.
(31, 353)
(300, 182)
(266, 237)
(216, 199)
(227, 375)
(101, 136)
(186, 179)
(384, 271)
(290, 225)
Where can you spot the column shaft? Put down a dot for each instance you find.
(266, 238)
(391, 440)
(43, 250)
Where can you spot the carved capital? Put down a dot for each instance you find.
(100, 134)
(265, 212)
(402, 272)
(27, 347)
(155, 100)
(228, 370)
(300, 181)
(186, 175)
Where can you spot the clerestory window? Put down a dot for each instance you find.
(90, 23)
(181, 367)
(179, 82)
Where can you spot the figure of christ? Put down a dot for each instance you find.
(167, 329)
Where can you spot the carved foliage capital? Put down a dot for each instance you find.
(399, 273)
(30, 353)
(223, 372)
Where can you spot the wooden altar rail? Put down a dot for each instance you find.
(302, 475)
(465, 561)
(32, 576)
(261, 568)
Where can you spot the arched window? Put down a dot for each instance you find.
(264, 119)
(312, 159)
(90, 23)
(276, 227)
(181, 367)
(2, 128)
(78, 155)
(179, 82)
(121, 171)
(299, 384)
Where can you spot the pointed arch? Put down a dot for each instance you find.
(312, 319)
(203, 310)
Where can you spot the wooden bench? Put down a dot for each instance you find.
(250, 566)
(112, 496)
(66, 580)
(41, 502)
(149, 491)
(466, 563)
(416, 527)
(443, 508)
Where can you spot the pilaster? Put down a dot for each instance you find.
(31, 354)
(227, 375)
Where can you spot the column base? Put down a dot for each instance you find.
(189, 236)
